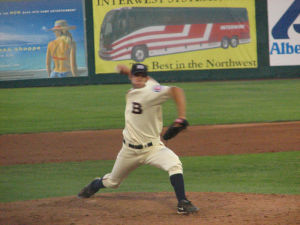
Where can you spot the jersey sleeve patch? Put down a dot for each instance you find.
(157, 88)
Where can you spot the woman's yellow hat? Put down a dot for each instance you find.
(62, 25)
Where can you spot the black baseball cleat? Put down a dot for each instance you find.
(186, 207)
(89, 190)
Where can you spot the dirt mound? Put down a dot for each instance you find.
(155, 208)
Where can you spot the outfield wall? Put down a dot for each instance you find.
(274, 31)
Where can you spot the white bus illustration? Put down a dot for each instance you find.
(139, 32)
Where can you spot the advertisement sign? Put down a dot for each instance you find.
(42, 39)
(284, 32)
(175, 35)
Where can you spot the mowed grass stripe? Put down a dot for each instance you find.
(250, 173)
(27, 110)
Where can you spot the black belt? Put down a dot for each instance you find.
(138, 146)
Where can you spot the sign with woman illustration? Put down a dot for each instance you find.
(42, 39)
(62, 52)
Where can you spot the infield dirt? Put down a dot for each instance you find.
(153, 208)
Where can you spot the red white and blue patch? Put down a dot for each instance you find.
(157, 88)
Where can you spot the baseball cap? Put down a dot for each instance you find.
(139, 68)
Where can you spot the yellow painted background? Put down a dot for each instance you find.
(244, 52)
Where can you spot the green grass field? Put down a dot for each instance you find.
(253, 173)
(27, 110)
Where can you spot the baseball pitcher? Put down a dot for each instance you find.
(141, 135)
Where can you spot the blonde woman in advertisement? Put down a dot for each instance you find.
(62, 51)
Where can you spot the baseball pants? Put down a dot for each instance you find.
(129, 159)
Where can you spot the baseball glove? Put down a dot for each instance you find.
(177, 126)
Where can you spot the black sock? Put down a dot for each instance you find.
(178, 185)
(97, 184)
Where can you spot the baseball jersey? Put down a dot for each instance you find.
(143, 113)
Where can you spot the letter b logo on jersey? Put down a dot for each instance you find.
(136, 108)
(280, 30)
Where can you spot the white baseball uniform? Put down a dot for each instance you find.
(142, 144)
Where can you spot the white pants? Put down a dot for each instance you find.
(129, 159)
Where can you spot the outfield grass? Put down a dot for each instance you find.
(27, 110)
(250, 173)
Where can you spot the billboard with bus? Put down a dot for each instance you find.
(168, 36)
(126, 34)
